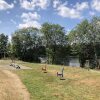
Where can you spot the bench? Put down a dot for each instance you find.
(44, 69)
(61, 74)
(15, 66)
(12, 64)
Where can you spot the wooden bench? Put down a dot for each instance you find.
(44, 69)
(43, 60)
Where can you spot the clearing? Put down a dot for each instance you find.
(79, 84)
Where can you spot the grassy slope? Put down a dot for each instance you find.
(80, 84)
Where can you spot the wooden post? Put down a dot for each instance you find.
(87, 64)
(62, 71)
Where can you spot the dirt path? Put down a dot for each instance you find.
(11, 88)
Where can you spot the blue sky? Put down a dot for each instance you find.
(16, 14)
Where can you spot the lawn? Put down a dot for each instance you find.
(79, 84)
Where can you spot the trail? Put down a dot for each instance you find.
(11, 88)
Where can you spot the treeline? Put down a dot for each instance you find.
(29, 44)
(51, 41)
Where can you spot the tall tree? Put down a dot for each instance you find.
(55, 42)
(27, 44)
(95, 37)
(3, 45)
(85, 36)
(78, 39)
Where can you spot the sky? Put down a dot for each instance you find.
(17, 14)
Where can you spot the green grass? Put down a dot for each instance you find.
(79, 84)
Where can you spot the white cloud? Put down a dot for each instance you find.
(30, 24)
(27, 5)
(68, 12)
(64, 10)
(96, 5)
(56, 3)
(31, 5)
(30, 20)
(82, 6)
(14, 22)
(30, 16)
(4, 5)
(43, 3)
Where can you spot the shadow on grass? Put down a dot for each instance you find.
(62, 79)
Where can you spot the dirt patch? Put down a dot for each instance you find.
(11, 88)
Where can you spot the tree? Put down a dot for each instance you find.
(3, 45)
(55, 42)
(78, 38)
(85, 36)
(27, 44)
(95, 36)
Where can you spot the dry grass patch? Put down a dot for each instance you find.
(89, 82)
(11, 87)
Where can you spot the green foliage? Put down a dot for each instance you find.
(86, 36)
(27, 44)
(3, 45)
(55, 42)
(30, 43)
